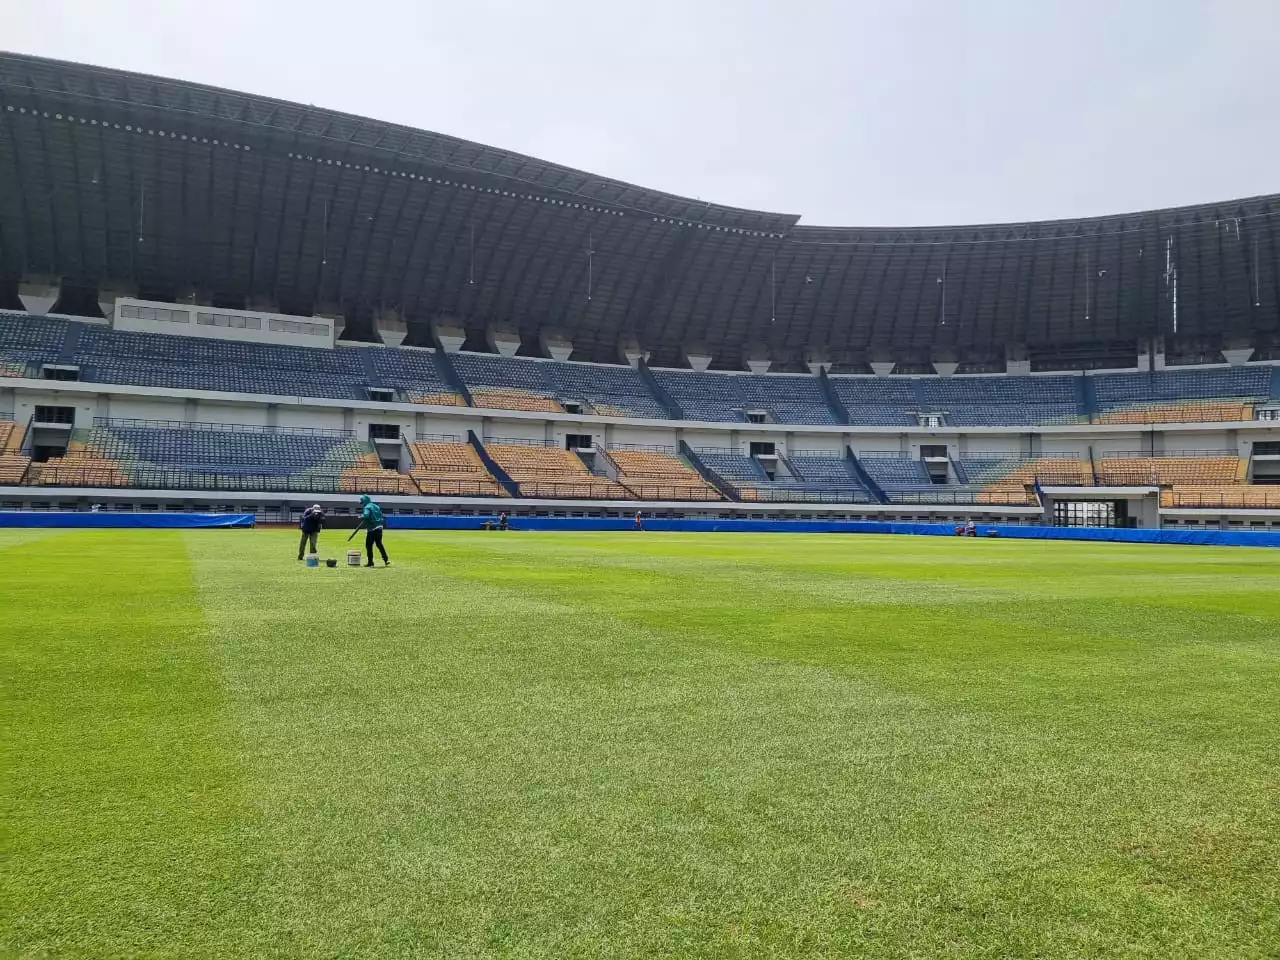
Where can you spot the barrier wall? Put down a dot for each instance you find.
(122, 521)
(1222, 538)
(1232, 538)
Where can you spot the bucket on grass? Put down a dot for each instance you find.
(353, 558)
(313, 560)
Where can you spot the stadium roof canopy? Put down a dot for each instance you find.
(173, 190)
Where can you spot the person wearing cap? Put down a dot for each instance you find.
(372, 521)
(310, 524)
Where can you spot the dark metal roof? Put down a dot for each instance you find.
(174, 187)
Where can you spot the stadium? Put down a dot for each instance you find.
(739, 731)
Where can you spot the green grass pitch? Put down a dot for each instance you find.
(637, 745)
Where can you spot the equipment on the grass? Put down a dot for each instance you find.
(353, 558)
(331, 563)
(313, 560)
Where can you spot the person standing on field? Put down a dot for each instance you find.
(311, 524)
(372, 521)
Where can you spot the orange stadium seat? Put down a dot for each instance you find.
(509, 398)
(654, 475)
(450, 469)
(367, 475)
(1163, 471)
(1185, 411)
(551, 472)
(1230, 496)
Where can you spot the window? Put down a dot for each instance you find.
(572, 406)
(51, 372)
(300, 327)
(59, 415)
(384, 431)
(578, 441)
(933, 451)
(757, 416)
(762, 448)
(1267, 448)
(1269, 414)
(382, 394)
(233, 321)
(932, 420)
(129, 311)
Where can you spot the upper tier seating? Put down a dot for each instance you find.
(655, 475)
(177, 361)
(1186, 411)
(1161, 471)
(542, 471)
(1240, 382)
(416, 373)
(728, 397)
(444, 468)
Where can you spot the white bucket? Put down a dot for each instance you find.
(353, 558)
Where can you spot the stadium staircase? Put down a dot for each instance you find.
(674, 410)
(495, 469)
(727, 490)
(445, 363)
(865, 478)
(1088, 399)
(838, 409)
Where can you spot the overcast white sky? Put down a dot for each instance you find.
(845, 111)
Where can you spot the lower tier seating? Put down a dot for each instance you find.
(550, 472)
(655, 475)
(1214, 496)
(1163, 471)
(367, 475)
(450, 469)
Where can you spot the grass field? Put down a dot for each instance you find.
(642, 745)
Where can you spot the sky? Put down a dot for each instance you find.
(846, 112)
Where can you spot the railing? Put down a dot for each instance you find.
(132, 424)
(436, 438)
(884, 454)
(1254, 499)
(719, 451)
(645, 447)
(817, 454)
(1164, 454)
(783, 494)
(959, 498)
(159, 478)
(520, 442)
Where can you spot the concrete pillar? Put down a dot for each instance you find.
(39, 296)
(109, 293)
(390, 327)
(452, 335)
(699, 361)
(504, 340)
(556, 344)
(818, 359)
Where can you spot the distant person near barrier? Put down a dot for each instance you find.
(372, 522)
(311, 524)
(503, 522)
(639, 520)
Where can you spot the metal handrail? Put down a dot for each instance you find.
(137, 424)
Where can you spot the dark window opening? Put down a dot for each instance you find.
(384, 431)
(65, 416)
(579, 441)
